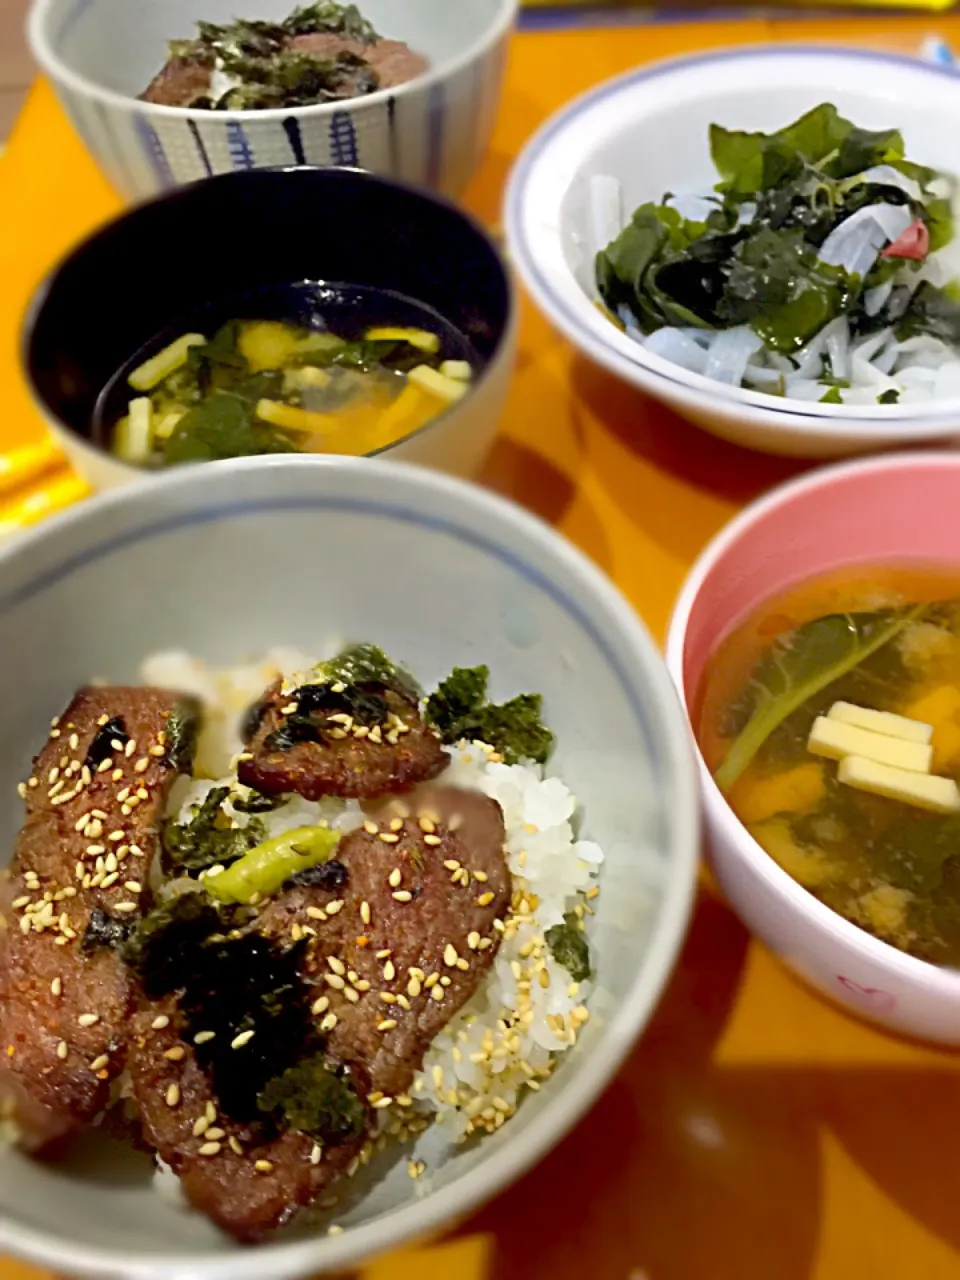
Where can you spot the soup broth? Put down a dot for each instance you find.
(862, 811)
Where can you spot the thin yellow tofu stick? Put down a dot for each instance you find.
(881, 722)
(421, 338)
(834, 740)
(448, 389)
(291, 418)
(937, 795)
(153, 371)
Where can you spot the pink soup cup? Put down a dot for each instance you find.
(904, 507)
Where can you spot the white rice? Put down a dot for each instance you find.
(527, 1012)
(919, 369)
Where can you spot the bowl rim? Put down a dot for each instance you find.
(334, 173)
(910, 421)
(41, 46)
(508, 523)
(869, 949)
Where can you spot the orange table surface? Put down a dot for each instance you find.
(755, 1133)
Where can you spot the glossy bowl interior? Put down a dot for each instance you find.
(101, 54)
(882, 511)
(649, 129)
(233, 558)
(176, 257)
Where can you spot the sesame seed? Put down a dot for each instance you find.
(19, 903)
(382, 1103)
(210, 1111)
(336, 965)
(413, 987)
(450, 956)
(433, 841)
(125, 907)
(172, 1096)
(22, 790)
(352, 995)
(157, 751)
(33, 782)
(371, 828)
(124, 794)
(243, 1038)
(437, 993)
(320, 1006)
(235, 1145)
(116, 775)
(200, 1127)
(473, 940)
(333, 907)
(115, 836)
(142, 794)
(263, 1166)
(315, 913)
(445, 981)
(176, 1054)
(56, 986)
(130, 748)
(159, 1023)
(431, 980)
(216, 1134)
(329, 1022)
(389, 837)
(204, 1037)
(62, 1050)
(402, 895)
(88, 1019)
(334, 980)
(485, 899)
(389, 971)
(133, 886)
(388, 997)
(365, 912)
(427, 824)
(316, 1154)
(396, 824)
(52, 776)
(209, 1149)
(394, 878)
(142, 765)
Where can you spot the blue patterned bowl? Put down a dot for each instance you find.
(433, 131)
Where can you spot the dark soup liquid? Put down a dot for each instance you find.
(861, 809)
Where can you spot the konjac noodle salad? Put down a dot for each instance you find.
(273, 920)
(820, 268)
(830, 719)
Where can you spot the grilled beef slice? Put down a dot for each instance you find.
(295, 750)
(79, 879)
(387, 924)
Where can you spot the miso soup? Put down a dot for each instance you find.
(830, 719)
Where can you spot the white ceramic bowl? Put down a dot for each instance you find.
(100, 54)
(880, 511)
(649, 129)
(223, 561)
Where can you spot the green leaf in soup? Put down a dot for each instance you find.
(799, 667)
(754, 162)
(223, 426)
(938, 215)
(911, 852)
(832, 396)
(622, 265)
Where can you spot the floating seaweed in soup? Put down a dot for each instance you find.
(830, 719)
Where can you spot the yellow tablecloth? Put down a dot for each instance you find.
(756, 1133)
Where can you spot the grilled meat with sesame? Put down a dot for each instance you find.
(245, 1182)
(181, 82)
(316, 742)
(390, 947)
(394, 62)
(413, 936)
(79, 878)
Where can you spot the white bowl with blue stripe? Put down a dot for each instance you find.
(231, 559)
(434, 131)
(649, 129)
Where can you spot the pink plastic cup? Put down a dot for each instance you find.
(890, 509)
